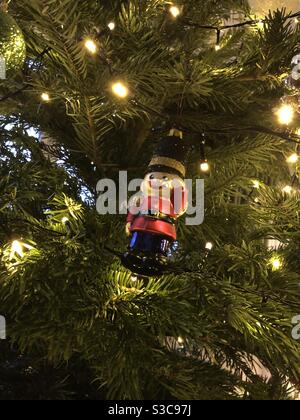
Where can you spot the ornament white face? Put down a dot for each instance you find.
(162, 181)
(296, 59)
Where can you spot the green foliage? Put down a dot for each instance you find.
(79, 325)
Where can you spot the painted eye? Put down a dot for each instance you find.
(152, 177)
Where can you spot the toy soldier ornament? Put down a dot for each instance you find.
(151, 221)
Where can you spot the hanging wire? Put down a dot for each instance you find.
(294, 138)
(218, 37)
(218, 30)
(202, 148)
(251, 22)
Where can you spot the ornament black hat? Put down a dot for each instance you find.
(170, 155)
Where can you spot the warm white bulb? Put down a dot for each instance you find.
(256, 184)
(134, 279)
(111, 26)
(119, 89)
(276, 263)
(287, 189)
(204, 167)
(209, 246)
(261, 25)
(217, 47)
(175, 11)
(17, 248)
(293, 158)
(285, 114)
(64, 220)
(45, 97)
(180, 340)
(91, 46)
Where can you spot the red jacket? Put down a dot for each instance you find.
(155, 223)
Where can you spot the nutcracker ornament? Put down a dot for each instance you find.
(151, 220)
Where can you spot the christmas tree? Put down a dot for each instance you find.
(102, 83)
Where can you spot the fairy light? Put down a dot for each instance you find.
(120, 90)
(218, 47)
(180, 340)
(256, 184)
(205, 167)
(293, 158)
(134, 279)
(111, 26)
(91, 46)
(288, 189)
(285, 114)
(209, 246)
(64, 220)
(17, 248)
(276, 263)
(45, 97)
(175, 11)
(261, 24)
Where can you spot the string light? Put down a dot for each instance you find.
(91, 46)
(209, 246)
(285, 114)
(293, 158)
(287, 189)
(205, 167)
(256, 184)
(218, 47)
(175, 11)
(64, 220)
(111, 26)
(17, 247)
(134, 279)
(45, 97)
(261, 24)
(276, 263)
(120, 90)
(180, 340)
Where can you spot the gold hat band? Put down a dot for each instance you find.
(172, 163)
